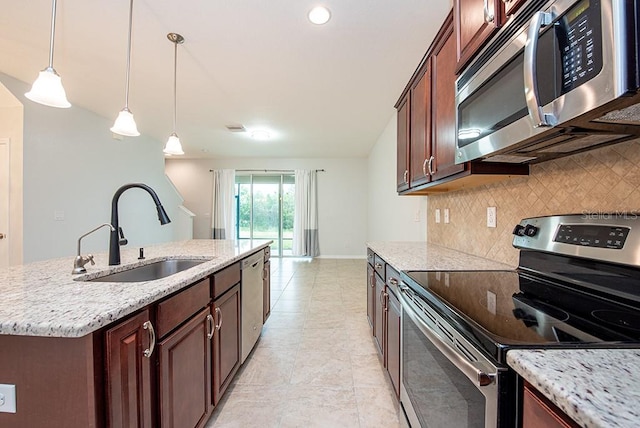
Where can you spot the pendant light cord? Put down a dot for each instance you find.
(53, 32)
(175, 78)
(126, 90)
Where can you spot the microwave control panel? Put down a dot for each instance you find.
(580, 43)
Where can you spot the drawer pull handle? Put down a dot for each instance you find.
(219, 323)
(152, 338)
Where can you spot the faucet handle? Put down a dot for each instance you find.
(123, 240)
(90, 259)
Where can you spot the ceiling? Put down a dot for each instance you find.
(321, 91)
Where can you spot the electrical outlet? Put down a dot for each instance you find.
(58, 215)
(7, 398)
(492, 218)
(446, 215)
(437, 215)
(491, 302)
(417, 216)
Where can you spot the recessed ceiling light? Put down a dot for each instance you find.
(319, 15)
(260, 135)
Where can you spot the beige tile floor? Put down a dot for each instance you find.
(315, 364)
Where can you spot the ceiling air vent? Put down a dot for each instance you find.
(236, 128)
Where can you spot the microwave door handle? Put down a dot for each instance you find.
(539, 118)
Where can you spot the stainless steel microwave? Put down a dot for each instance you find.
(560, 77)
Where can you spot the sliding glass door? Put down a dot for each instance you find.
(264, 209)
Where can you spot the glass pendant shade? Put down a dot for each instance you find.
(125, 125)
(48, 90)
(173, 146)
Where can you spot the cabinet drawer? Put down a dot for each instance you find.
(370, 256)
(379, 266)
(225, 279)
(393, 279)
(175, 310)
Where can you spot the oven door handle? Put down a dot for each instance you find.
(478, 377)
(539, 118)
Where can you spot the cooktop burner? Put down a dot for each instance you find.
(621, 319)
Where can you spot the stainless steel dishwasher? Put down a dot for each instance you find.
(251, 293)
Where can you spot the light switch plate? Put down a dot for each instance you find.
(446, 215)
(437, 215)
(492, 220)
(7, 398)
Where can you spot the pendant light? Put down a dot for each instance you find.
(173, 146)
(124, 124)
(47, 89)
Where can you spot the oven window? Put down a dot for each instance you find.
(441, 396)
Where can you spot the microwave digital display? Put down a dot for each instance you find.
(577, 11)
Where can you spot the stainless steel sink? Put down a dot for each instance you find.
(151, 271)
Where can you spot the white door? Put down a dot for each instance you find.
(4, 202)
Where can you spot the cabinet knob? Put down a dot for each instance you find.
(2, 235)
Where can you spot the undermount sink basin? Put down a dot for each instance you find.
(151, 271)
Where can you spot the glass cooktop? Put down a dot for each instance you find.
(501, 309)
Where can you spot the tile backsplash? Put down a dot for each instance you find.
(605, 180)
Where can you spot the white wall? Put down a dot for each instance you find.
(73, 166)
(392, 217)
(342, 197)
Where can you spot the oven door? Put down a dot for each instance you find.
(445, 381)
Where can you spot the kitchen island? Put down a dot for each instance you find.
(54, 327)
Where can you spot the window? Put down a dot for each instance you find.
(264, 210)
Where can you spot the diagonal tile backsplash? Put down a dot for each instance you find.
(605, 180)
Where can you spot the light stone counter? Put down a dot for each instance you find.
(425, 256)
(594, 387)
(45, 299)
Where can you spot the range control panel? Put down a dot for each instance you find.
(592, 235)
(608, 237)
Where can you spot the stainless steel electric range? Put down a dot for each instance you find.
(577, 285)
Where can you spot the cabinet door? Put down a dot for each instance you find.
(443, 62)
(379, 317)
(128, 373)
(539, 412)
(403, 145)
(475, 22)
(420, 137)
(184, 366)
(266, 286)
(226, 343)
(511, 7)
(371, 295)
(393, 340)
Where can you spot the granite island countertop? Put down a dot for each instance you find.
(426, 256)
(597, 388)
(45, 299)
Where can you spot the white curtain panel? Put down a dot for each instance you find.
(223, 210)
(305, 220)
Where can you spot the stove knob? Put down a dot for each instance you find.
(530, 230)
(518, 230)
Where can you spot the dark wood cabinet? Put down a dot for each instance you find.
(475, 22)
(420, 127)
(378, 318)
(184, 374)
(403, 148)
(432, 126)
(511, 7)
(129, 383)
(226, 340)
(539, 412)
(393, 311)
(443, 60)
(371, 295)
